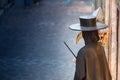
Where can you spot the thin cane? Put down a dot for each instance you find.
(69, 49)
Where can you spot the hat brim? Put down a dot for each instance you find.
(77, 27)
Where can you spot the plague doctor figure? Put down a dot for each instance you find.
(91, 62)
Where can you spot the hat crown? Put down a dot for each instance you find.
(87, 21)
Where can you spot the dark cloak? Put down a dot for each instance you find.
(91, 62)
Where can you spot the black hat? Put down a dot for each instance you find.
(87, 23)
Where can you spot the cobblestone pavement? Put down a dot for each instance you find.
(31, 43)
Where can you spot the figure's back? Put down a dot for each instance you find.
(95, 63)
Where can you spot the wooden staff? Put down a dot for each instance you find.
(69, 49)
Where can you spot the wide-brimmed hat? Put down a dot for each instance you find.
(87, 23)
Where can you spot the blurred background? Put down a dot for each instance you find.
(32, 33)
